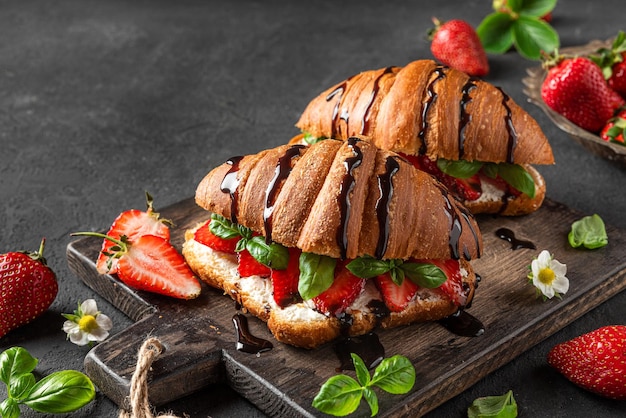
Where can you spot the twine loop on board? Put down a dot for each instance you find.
(138, 399)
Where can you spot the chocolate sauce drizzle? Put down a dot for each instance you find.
(385, 187)
(336, 116)
(508, 120)
(430, 100)
(367, 346)
(282, 171)
(463, 324)
(466, 253)
(247, 342)
(465, 117)
(516, 244)
(229, 185)
(346, 186)
(366, 114)
(456, 227)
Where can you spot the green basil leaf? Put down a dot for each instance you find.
(531, 36)
(424, 274)
(368, 267)
(362, 374)
(9, 408)
(588, 232)
(515, 6)
(461, 169)
(372, 400)
(310, 139)
(518, 178)
(397, 275)
(395, 375)
(503, 406)
(272, 255)
(14, 362)
(496, 33)
(21, 385)
(536, 8)
(223, 228)
(317, 273)
(61, 392)
(490, 170)
(339, 396)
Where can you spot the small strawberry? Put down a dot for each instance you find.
(595, 361)
(132, 223)
(612, 61)
(615, 128)
(248, 266)
(455, 44)
(342, 293)
(27, 288)
(453, 287)
(285, 282)
(576, 89)
(396, 297)
(204, 236)
(151, 263)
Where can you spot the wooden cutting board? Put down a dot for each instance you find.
(200, 338)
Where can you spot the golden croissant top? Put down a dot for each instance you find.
(426, 108)
(342, 199)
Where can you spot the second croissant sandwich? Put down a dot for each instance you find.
(334, 238)
(465, 131)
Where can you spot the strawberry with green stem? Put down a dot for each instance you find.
(151, 263)
(612, 61)
(27, 288)
(455, 43)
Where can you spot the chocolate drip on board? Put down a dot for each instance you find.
(430, 100)
(282, 171)
(247, 342)
(508, 121)
(385, 187)
(516, 244)
(367, 346)
(229, 185)
(368, 108)
(465, 117)
(346, 186)
(463, 324)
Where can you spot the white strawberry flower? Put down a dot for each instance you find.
(87, 325)
(548, 276)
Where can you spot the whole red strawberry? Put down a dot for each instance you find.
(455, 43)
(27, 288)
(576, 89)
(595, 361)
(615, 128)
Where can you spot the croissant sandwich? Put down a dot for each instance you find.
(464, 131)
(333, 239)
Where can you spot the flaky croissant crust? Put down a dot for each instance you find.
(425, 108)
(343, 199)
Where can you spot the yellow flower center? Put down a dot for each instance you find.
(87, 323)
(546, 275)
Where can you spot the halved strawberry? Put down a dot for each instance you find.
(132, 223)
(249, 266)
(342, 293)
(396, 297)
(453, 287)
(204, 236)
(285, 282)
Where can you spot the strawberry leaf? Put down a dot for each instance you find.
(496, 32)
(532, 36)
(317, 273)
(534, 8)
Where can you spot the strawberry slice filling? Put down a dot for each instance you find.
(346, 286)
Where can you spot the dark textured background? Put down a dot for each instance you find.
(101, 101)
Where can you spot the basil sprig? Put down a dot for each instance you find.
(341, 394)
(513, 174)
(422, 274)
(311, 139)
(272, 255)
(503, 406)
(317, 273)
(588, 232)
(519, 23)
(60, 392)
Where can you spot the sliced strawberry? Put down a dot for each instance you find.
(453, 287)
(152, 264)
(249, 266)
(285, 282)
(204, 236)
(132, 223)
(342, 293)
(396, 297)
